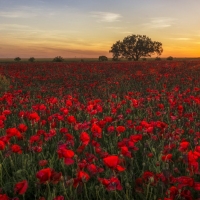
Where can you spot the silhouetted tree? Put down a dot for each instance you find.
(157, 58)
(170, 58)
(31, 59)
(134, 47)
(116, 50)
(103, 58)
(58, 59)
(17, 59)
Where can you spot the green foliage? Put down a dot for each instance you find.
(170, 58)
(116, 50)
(31, 59)
(4, 83)
(17, 59)
(58, 59)
(135, 46)
(103, 58)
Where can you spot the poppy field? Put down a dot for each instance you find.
(100, 131)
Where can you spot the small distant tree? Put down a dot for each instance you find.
(170, 58)
(103, 58)
(134, 47)
(58, 59)
(17, 59)
(31, 59)
(144, 59)
(157, 58)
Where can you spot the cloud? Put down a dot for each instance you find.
(17, 14)
(13, 27)
(106, 16)
(160, 23)
(26, 12)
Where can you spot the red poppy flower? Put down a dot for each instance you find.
(42, 107)
(16, 149)
(64, 130)
(81, 177)
(196, 186)
(147, 174)
(34, 117)
(108, 119)
(150, 155)
(6, 112)
(68, 103)
(2, 145)
(44, 175)
(125, 152)
(34, 139)
(37, 149)
(184, 181)
(71, 119)
(93, 169)
(22, 128)
(13, 132)
(96, 130)
(197, 148)
(55, 177)
(135, 103)
(120, 129)
(173, 191)
(1, 124)
(167, 157)
(65, 111)
(59, 198)
(41, 198)
(66, 154)
(21, 187)
(111, 184)
(4, 197)
(110, 129)
(136, 138)
(42, 163)
(184, 146)
(85, 138)
(193, 168)
(192, 157)
(112, 162)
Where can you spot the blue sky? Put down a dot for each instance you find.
(88, 28)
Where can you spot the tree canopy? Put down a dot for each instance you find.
(17, 59)
(58, 59)
(103, 58)
(134, 47)
(31, 59)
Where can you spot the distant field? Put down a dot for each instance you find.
(6, 60)
(49, 59)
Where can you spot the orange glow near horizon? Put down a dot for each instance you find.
(45, 29)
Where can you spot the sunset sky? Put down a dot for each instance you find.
(88, 28)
